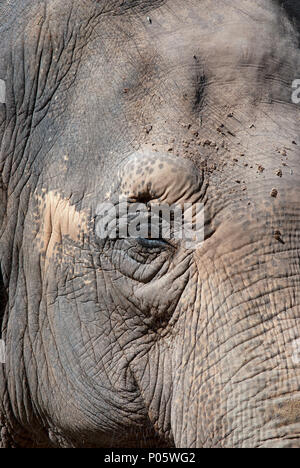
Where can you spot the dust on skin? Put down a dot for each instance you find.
(59, 221)
(287, 412)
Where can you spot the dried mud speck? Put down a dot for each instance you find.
(260, 169)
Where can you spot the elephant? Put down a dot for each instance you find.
(146, 341)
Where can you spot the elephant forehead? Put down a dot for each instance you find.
(158, 176)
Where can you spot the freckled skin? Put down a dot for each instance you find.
(110, 343)
(165, 178)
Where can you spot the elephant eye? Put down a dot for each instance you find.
(153, 243)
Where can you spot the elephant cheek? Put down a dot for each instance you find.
(236, 363)
(57, 221)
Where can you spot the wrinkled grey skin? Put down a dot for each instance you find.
(118, 344)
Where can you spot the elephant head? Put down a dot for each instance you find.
(138, 341)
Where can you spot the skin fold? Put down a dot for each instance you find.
(112, 343)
